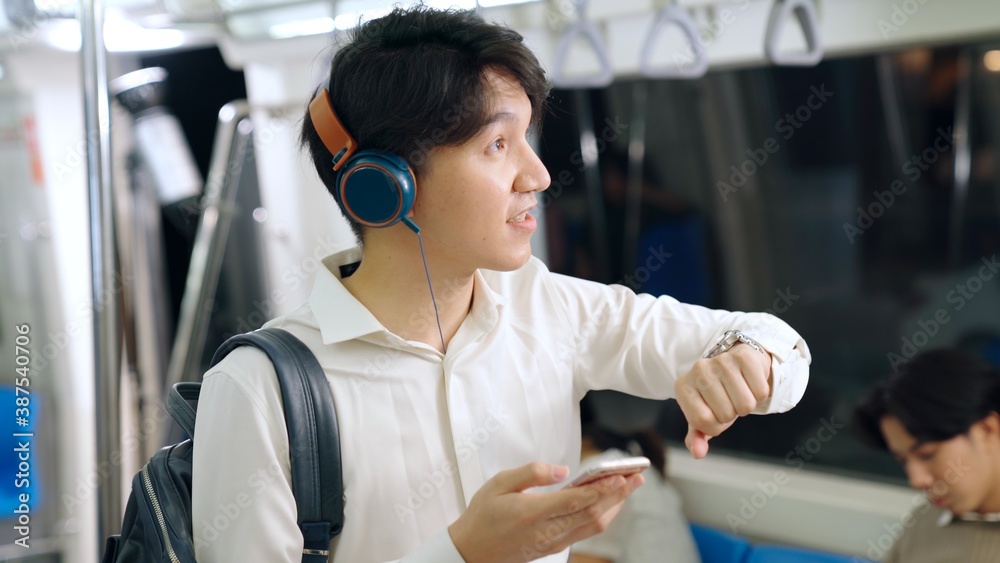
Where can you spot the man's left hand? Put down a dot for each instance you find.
(719, 390)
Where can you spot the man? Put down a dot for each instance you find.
(938, 416)
(457, 372)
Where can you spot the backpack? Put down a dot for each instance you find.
(157, 526)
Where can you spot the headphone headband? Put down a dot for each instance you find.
(375, 188)
(331, 131)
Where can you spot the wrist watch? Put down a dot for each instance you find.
(729, 339)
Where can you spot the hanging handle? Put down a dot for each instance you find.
(681, 18)
(805, 13)
(589, 31)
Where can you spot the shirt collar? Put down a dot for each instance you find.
(486, 303)
(947, 517)
(341, 317)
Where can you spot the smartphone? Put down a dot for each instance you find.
(625, 467)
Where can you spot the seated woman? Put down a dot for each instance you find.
(650, 525)
(938, 416)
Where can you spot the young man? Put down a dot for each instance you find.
(938, 415)
(450, 409)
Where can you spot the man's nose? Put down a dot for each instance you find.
(919, 476)
(533, 177)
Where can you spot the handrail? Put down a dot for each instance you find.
(209, 246)
(107, 333)
(674, 14)
(587, 28)
(805, 13)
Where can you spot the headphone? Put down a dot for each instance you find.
(372, 187)
(375, 188)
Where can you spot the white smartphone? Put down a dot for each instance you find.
(625, 467)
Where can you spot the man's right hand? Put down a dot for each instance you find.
(503, 523)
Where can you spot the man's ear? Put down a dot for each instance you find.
(989, 426)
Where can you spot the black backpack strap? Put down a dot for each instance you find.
(179, 404)
(313, 437)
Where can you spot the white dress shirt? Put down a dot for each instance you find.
(422, 431)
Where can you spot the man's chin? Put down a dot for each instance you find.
(510, 263)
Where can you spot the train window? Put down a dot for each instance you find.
(858, 200)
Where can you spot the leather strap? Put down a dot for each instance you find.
(179, 404)
(313, 436)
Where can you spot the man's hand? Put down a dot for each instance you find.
(503, 523)
(718, 390)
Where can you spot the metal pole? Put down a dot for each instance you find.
(963, 156)
(891, 104)
(228, 155)
(633, 176)
(107, 343)
(592, 180)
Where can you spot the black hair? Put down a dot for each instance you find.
(649, 442)
(936, 396)
(415, 79)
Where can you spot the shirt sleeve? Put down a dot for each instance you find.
(242, 503)
(640, 344)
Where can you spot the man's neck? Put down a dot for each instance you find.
(991, 504)
(393, 286)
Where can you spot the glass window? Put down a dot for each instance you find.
(858, 200)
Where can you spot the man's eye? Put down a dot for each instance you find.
(497, 145)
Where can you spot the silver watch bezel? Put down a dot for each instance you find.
(729, 339)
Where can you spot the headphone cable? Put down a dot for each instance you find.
(427, 272)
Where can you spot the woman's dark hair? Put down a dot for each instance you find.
(936, 396)
(415, 79)
(649, 442)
